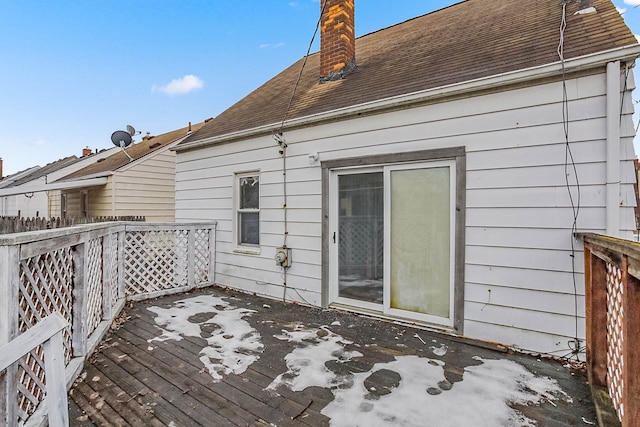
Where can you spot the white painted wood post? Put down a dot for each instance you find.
(107, 280)
(56, 401)
(122, 290)
(9, 277)
(47, 332)
(212, 253)
(191, 256)
(79, 335)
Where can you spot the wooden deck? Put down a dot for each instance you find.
(131, 381)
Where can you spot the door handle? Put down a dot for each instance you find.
(334, 237)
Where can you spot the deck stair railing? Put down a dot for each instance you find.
(85, 274)
(612, 292)
(47, 333)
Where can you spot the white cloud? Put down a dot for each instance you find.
(294, 4)
(632, 2)
(40, 143)
(270, 45)
(180, 86)
(621, 10)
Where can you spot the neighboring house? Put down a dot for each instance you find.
(434, 180)
(33, 203)
(8, 205)
(138, 182)
(35, 193)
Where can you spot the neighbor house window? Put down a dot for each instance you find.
(84, 204)
(63, 205)
(248, 220)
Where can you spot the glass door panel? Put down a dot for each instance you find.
(420, 218)
(361, 236)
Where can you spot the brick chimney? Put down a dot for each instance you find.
(337, 39)
(1, 176)
(86, 151)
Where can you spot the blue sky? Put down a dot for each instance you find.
(74, 71)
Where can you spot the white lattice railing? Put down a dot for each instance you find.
(612, 292)
(85, 274)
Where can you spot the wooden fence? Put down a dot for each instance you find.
(18, 224)
(86, 273)
(612, 291)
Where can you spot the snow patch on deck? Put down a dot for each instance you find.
(416, 392)
(233, 345)
(306, 364)
(424, 396)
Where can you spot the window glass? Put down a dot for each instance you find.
(249, 210)
(249, 192)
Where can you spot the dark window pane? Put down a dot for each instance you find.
(361, 236)
(250, 228)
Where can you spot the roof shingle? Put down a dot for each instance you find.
(469, 40)
(136, 151)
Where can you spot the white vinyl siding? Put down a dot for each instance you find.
(518, 271)
(100, 199)
(147, 188)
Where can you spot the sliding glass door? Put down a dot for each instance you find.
(393, 239)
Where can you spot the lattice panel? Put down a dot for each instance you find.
(615, 337)
(155, 260)
(94, 284)
(46, 283)
(201, 256)
(182, 257)
(113, 250)
(361, 249)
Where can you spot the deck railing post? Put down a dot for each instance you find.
(212, 253)
(630, 349)
(596, 317)
(122, 290)
(107, 280)
(191, 256)
(79, 327)
(57, 403)
(9, 278)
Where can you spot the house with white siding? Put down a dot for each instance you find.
(136, 181)
(9, 203)
(32, 193)
(433, 172)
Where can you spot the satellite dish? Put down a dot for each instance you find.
(121, 138)
(131, 130)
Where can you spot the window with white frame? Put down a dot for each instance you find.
(248, 209)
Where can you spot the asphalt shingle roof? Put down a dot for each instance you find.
(136, 151)
(463, 42)
(46, 169)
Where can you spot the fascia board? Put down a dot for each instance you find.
(581, 63)
(63, 185)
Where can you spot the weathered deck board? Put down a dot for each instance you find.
(235, 390)
(138, 382)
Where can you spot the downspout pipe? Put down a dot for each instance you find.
(613, 149)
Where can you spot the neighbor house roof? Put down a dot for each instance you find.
(148, 145)
(45, 170)
(8, 180)
(470, 40)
